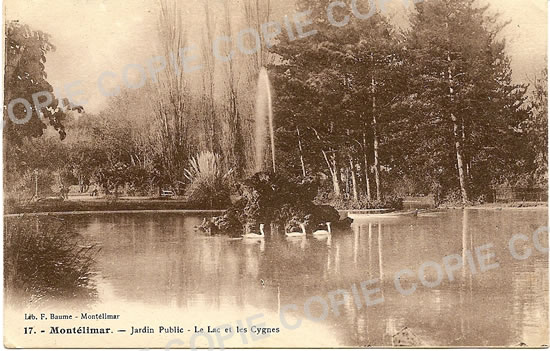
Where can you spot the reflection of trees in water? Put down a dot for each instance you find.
(44, 260)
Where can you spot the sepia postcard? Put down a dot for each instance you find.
(275, 174)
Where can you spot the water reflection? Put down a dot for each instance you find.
(160, 261)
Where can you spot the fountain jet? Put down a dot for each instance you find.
(264, 117)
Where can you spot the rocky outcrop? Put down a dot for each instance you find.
(271, 199)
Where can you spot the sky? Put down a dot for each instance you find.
(94, 36)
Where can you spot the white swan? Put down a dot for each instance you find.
(254, 235)
(320, 232)
(298, 234)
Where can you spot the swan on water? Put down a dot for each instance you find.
(327, 231)
(255, 235)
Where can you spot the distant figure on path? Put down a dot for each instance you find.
(64, 192)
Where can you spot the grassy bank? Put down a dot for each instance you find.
(500, 205)
(137, 204)
(99, 205)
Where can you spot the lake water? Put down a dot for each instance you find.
(158, 269)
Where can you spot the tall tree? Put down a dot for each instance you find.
(24, 75)
(234, 145)
(339, 84)
(173, 109)
(537, 127)
(461, 82)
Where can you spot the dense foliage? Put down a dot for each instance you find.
(267, 198)
(431, 109)
(25, 75)
(371, 111)
(44, 261)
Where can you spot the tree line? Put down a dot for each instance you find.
(378, 110)
(431, 109)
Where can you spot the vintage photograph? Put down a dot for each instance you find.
(275, 173)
